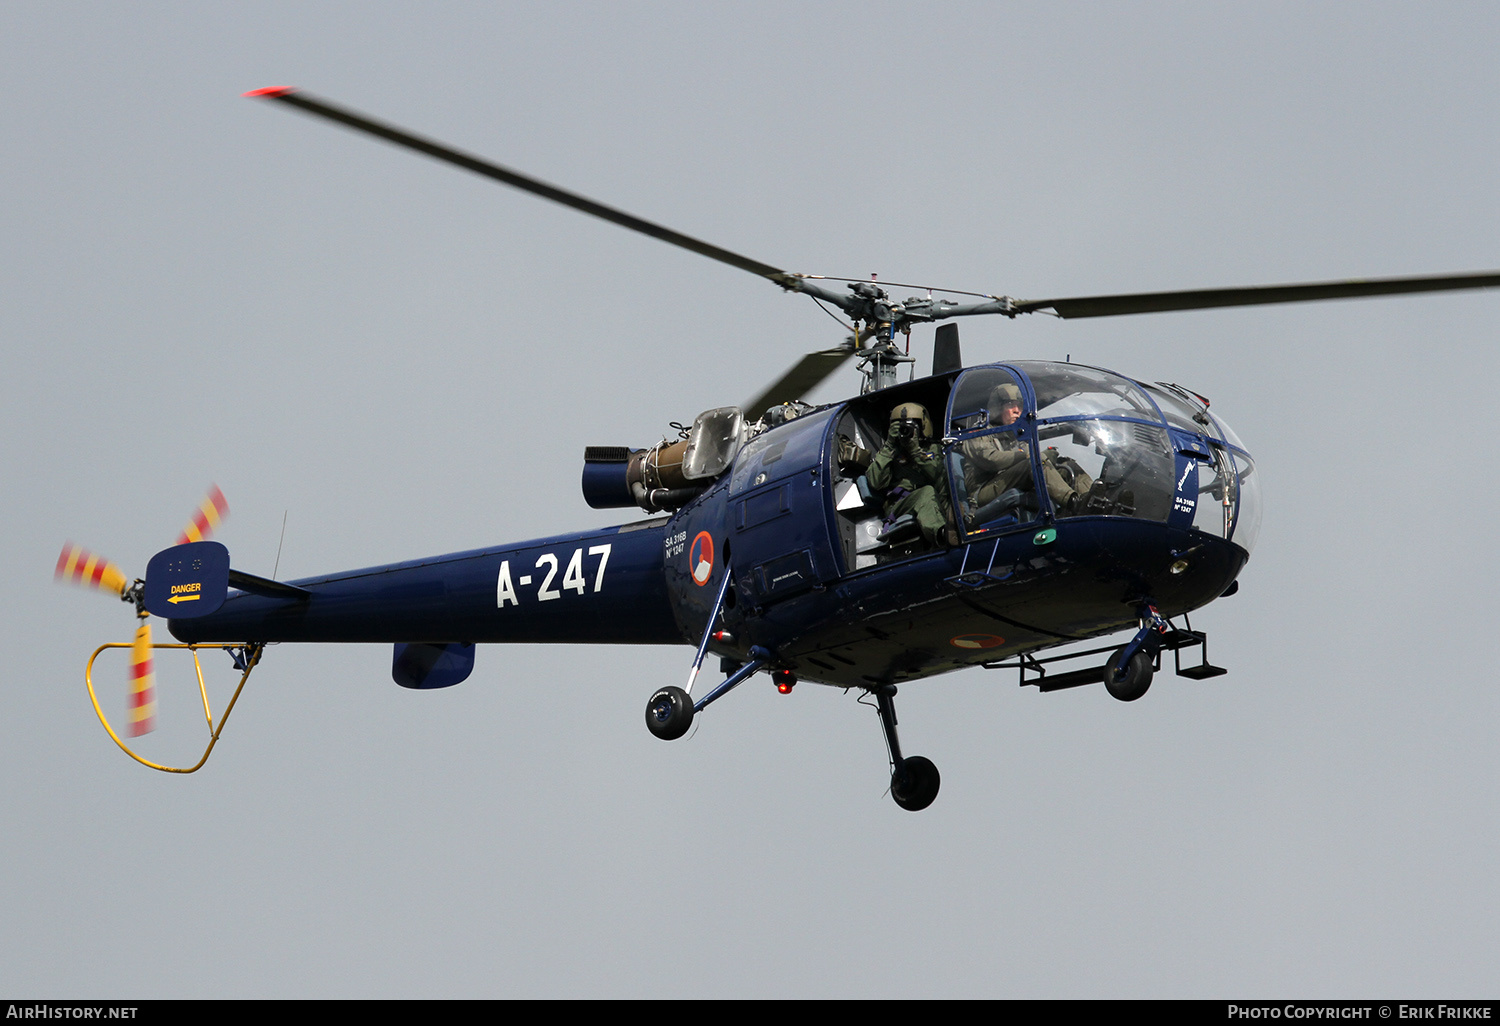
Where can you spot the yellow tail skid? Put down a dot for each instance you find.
(247, 657)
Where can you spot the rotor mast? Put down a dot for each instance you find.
(884, 318)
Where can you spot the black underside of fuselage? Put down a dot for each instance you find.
(992, 599)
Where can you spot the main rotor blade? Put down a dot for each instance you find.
(797, 382)
(400, 137)
(1303, 292)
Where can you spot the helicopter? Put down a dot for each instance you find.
(1063, 504)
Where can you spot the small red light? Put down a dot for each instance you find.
(785, 689)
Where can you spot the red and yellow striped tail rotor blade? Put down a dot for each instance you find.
(142, 702)
(213, 510)
(83, 567)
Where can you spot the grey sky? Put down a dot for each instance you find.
(408, 360)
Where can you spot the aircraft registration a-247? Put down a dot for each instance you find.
(976, 516)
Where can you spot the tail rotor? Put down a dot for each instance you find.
(80, 566)
(210, 512)
(142, 717)
(77, 565)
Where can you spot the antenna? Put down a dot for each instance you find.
(277, 565)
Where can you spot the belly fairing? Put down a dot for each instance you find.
(990, 600)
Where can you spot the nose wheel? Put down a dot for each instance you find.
(1128, 679)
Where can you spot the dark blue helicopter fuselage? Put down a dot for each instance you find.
(828, 606)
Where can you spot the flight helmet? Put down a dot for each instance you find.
(916, 413)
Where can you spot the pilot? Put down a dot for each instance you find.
(908, 473)
(1000, 463)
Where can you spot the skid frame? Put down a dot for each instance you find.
(246, 658)
(1175, 639)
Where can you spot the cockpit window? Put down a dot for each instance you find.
(994, 478)
(1181, 414)
(1097, 458)
(977, 399)
(991, 465)
(1190, 413)
(1218, 488)
(1223, 485)
(1093, 444)
(1247, 517)
(1225, 432)
(1071, 390)
(1106, 467)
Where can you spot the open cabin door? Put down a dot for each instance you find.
(867, 536)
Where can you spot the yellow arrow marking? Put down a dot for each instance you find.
(184, 598)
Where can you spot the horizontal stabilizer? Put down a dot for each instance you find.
(267, 587)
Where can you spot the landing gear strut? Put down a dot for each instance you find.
(1128, 673)
(669, 714)
(914, 780)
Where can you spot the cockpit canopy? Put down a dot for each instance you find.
(1095, 443)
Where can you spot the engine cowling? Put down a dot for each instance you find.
(668, 475)
(614, 476)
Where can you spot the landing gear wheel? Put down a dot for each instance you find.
(1129, 682)
(915, 783)
(669, 714)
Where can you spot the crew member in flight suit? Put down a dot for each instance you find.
(994, 464)
(908, 473)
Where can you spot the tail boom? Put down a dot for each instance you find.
(604, 586)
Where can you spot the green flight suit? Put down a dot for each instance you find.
(918, 469)
(994, 464)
